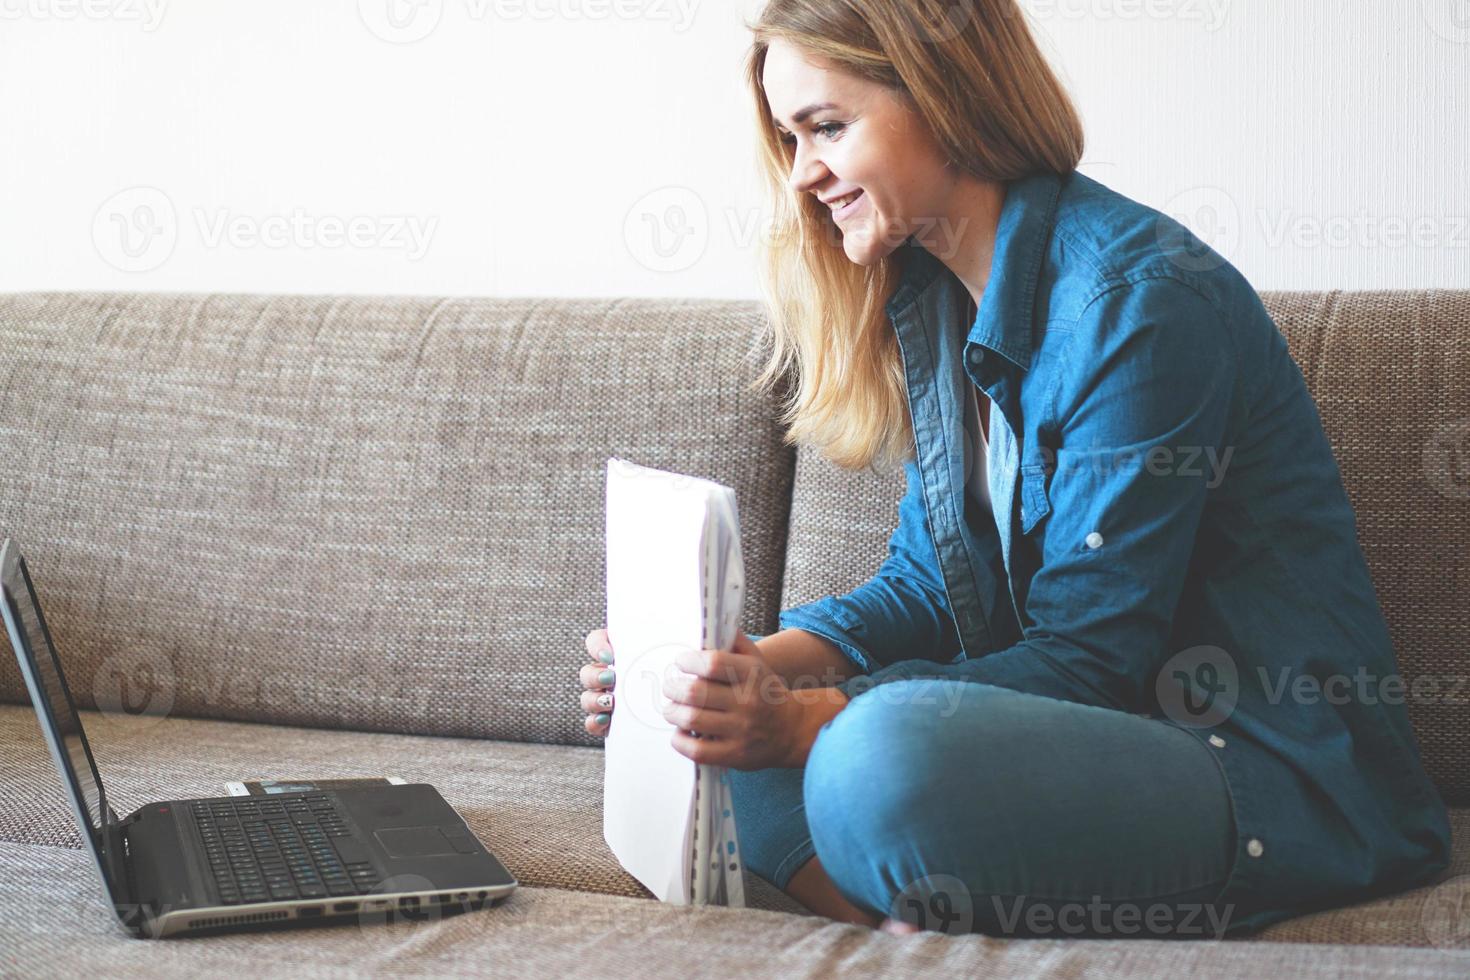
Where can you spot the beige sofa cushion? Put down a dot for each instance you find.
(1390, 373)
(352, 512)
(538, 807)
(49, 905)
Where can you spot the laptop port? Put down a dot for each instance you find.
(308, 911)
(345, 907)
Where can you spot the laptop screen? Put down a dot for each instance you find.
(53, 702)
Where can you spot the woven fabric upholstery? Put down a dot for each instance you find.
(382, 514)
(1390, 372)
(51, 903)
(537, 807)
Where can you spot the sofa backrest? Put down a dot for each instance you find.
(381, 514)
(1390, 372)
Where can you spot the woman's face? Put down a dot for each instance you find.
(863, 141)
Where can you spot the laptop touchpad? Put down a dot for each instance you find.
(411, 842)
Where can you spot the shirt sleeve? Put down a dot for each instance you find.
(1140, 444)
(902, 612)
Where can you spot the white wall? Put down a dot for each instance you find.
(1317, 144)
(603, 147)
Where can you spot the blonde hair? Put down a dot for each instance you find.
(973, 73)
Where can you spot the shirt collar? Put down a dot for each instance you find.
(1007, 310)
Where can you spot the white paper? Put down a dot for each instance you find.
(675, 581)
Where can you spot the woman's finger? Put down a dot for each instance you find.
(594, 702)
(710, 751)
(717, 665)
(705, 721)
(596, 727)
(598, 647)
(596, 677)
(689, 689)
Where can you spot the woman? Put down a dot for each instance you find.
(1073, 699)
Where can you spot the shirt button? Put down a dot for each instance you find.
(976, 355)
(1094, 540)
(1217, 741)
(1253, 848)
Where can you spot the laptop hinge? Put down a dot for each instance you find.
(129, 906)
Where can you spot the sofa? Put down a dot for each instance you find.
(352, 536)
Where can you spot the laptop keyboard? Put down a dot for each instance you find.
(272, 850)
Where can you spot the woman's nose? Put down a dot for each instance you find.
(805, 172)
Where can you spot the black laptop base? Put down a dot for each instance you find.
(230, 862)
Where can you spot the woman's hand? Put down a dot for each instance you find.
(746, 715)
(598, 679)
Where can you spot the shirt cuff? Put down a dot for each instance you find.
(809, 619)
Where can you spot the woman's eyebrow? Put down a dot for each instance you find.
(800, 115)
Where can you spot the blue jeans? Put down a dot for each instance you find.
(967, 807)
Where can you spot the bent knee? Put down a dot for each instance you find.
(886, 753)
(890, 719)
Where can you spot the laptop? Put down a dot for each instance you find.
(191, 867)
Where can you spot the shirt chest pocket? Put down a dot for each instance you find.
(1035, 503)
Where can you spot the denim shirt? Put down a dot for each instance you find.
(1168, 536)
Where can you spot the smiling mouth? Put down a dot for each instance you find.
(846, 208)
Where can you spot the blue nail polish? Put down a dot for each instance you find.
(605, 656)
(602, 719)
(605, 678)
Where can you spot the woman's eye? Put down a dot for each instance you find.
(826, 129)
